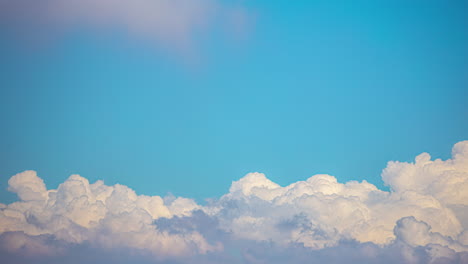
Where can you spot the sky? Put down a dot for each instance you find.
(222, 112)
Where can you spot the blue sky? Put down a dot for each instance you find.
(225, 131)
(311, 87)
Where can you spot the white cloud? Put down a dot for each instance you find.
(447, 181)
(106, 216)
(28, 186)
(422, 219)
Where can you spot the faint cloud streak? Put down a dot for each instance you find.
(170, 23)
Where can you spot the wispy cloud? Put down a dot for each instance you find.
(423, 219)
(168, 22)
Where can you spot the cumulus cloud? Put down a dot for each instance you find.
(421, 220)
(104, 216)
(170, 22)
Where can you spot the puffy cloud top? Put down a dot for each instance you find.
(423, 218)
(444, 180)
(28, 186)
(107, 216)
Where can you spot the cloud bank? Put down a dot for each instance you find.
(169, 22)
(423, 219)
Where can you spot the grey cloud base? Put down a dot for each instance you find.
(423, 219)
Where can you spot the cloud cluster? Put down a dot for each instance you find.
(423, 219)
(104, 216)
(170, 22)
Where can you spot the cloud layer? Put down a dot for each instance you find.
(423, 219)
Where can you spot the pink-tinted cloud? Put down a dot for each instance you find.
(168, 22)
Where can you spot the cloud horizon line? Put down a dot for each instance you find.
(423, 218)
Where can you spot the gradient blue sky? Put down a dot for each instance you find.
(336, 87)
